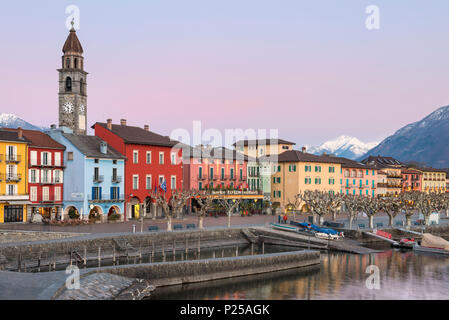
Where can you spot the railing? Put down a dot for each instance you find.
(13, 177)
(98, 179)
(13, 158)
(116, 179)
(202, 177)
(106, 198)
(254, 174)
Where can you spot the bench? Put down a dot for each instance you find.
(361, 226)
(399, 223)
(153, 228)
(190, 226)
(416, 223)
(177, 227)
(380, 224)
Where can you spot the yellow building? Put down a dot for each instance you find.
(298, 171)
(433, 180)
(14, 196)
(263, 147)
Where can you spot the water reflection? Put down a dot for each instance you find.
(403, 275)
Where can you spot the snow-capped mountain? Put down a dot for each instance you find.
(8, 120)
(424, 141)
(343, 146)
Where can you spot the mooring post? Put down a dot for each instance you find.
(222, 253)
(263, 247)
(252, 248)
(213, 254)
(39, 262)
(70, 257)
(99, 256)
(174, 246)
(163, 250)
(54, 261)
(113, 254)
(85, 257)
(140, 253)
(236, 251)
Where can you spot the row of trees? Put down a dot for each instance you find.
(173, 206)
(320, 203)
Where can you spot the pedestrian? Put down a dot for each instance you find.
(279, 218)
(285, 219)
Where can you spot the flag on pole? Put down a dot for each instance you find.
(164, 186)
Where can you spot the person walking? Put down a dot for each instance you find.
(285, 219)
(279, 218)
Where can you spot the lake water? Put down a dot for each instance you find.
(402, 275)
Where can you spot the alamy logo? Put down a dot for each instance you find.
(373, 281)
(73, 280)
(372, 22)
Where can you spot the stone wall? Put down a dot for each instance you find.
(30, 250)
(173, 273)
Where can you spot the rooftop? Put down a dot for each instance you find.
(39, 139)
(90, 146)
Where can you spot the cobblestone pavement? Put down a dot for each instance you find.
(97, 286)
(209, 222)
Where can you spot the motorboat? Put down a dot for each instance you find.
(405, 243)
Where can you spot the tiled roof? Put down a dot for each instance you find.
(430, 169)
(381, 161)
(39, 139)
(72, 44)
(261, 142)
(90, 146)
(298, 156)
(136, 135)
(7, 135)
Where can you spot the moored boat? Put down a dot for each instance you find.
(433, 245)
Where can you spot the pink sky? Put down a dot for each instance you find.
(313, 71)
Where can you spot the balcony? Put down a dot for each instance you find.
(13, 158)
(202, 177)
(98, 179)
(46, 181)
(254, 174)
(106, 198)
(13, 177)
(116, 179)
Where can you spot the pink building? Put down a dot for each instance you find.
(411, 180)
(216, 168)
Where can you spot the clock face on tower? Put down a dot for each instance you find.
(81, 109)
(68, 107)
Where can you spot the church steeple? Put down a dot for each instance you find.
(72, 86)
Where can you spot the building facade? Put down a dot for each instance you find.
(358, 179)
(94, 184)
(152, 162)
(433, 180)
(392, 168)
(14, 196)
(411, 180)
(45, 174)
(298, 171)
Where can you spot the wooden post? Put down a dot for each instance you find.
(174, 247)
(140, 253)
(39, 262)
(236, 251)
(113, 254)
(99, 256)
(85, 257)
(54, 261)
(252, 248)
(263, 247)
(213, 254)
(70, 256)
(222, 253)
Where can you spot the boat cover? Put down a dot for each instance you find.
(431, 241)
(306, 225)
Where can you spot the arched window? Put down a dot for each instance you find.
(68, 84)
(76, 63)
(67, 63)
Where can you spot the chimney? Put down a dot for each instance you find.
(109, 124)
(20, 132)
(123, 122)
(146, 127)
(303, 149)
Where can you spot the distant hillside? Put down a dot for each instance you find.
(8, 120)
(343, 146)
(425, 141)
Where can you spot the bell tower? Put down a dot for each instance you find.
(72, 86)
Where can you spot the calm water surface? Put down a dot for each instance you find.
(403, 275)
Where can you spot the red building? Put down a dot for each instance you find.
(411, 180)
(45, 174)
(152, 162)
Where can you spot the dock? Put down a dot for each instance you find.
(393, 242)
(286, 238)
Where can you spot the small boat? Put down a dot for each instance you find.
(433, 245)
(406, 243)
(284, 227)
(327, 236)
(322, 233)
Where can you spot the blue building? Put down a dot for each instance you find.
(93, 178)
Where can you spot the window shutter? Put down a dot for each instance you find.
(99, 191)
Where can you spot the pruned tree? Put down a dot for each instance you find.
(162, 202)
(296, 204)
(317, 202)
(334, 202)
(178, 200)
(408, 200)
(426, 204)
(352, 204)
(205, 202)
(371, 206)
(229, 206)
(392, 206)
